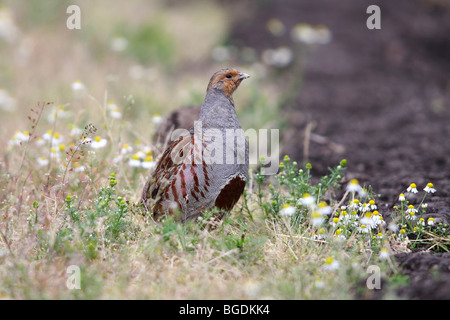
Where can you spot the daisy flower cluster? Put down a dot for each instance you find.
(53, 146)
(302, 204)
(409, 217)
(139, 156)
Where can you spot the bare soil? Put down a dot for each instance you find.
(380, 98)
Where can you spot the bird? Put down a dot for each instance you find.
(207, 166)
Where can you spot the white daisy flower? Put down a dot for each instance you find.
(384, 253)
(368, 221)
(98, 142)
(77, 167)
(376, 216)
(334, 222)
(55, 138)
(148, 163)
(401, 197)
(354, 205)
(365, 207)
(287, 210)
(77, 85)
(42, 161)
(338, 234)
(135, 161)
(157, 119)
(412, 188)
(324, 208)
(430, 221)
(115, 113)
(429, 188)
(344, 217)
(372, 204)
(18, 137)
(402, 234)
(307, 200)
(330, 264)
(411, 209)
(411, 215)
(141, 154)
(316, 218)
(353, 186)
(126, 148)
(363, 228)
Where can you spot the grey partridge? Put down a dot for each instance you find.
(208, 166)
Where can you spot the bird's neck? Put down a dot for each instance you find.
(218, 111)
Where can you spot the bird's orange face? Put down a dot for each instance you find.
(227, 80)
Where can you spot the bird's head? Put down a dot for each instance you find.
(227, 80)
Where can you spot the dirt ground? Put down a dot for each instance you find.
(382, 95)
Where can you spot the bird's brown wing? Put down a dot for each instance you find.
(157, 187)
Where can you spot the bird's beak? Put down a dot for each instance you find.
(243, 76)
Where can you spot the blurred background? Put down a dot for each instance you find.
(335, 88)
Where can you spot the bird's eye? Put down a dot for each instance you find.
(229, 76)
